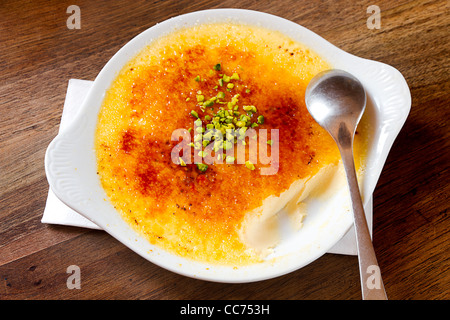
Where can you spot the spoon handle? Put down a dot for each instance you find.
(371, 282)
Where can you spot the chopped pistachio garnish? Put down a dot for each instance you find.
(218, 144)
(249, 108)
(242, 131)
(227, 145)
(208, 136)
(182, 163)
(202, 167)
(240, 123)
(270, 142)
(208, 103)
(261, 119)
(231, 119)
(198, 137)
(229, 159)
(249, 165)
(199, 129)
(194, 114)
(198, 122)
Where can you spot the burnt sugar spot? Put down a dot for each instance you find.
(195, 51)
(128, 142)
(153, 175)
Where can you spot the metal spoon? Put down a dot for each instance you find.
(336, 100)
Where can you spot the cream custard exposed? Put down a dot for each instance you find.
(223, 213)
(261, 230)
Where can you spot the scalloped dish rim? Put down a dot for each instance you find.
(70, 162)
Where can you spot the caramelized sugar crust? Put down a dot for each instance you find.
(179, 208)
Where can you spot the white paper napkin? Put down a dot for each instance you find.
(56, 212)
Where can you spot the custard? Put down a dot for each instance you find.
(221, 213)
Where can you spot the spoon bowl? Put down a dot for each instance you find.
(337, 100)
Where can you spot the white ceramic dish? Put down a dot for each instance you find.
(71, 166)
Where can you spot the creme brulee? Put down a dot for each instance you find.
(224, 76)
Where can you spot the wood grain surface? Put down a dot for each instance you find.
(39, 54)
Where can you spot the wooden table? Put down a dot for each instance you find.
(39, 54)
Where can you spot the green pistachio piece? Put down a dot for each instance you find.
(249, 165)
